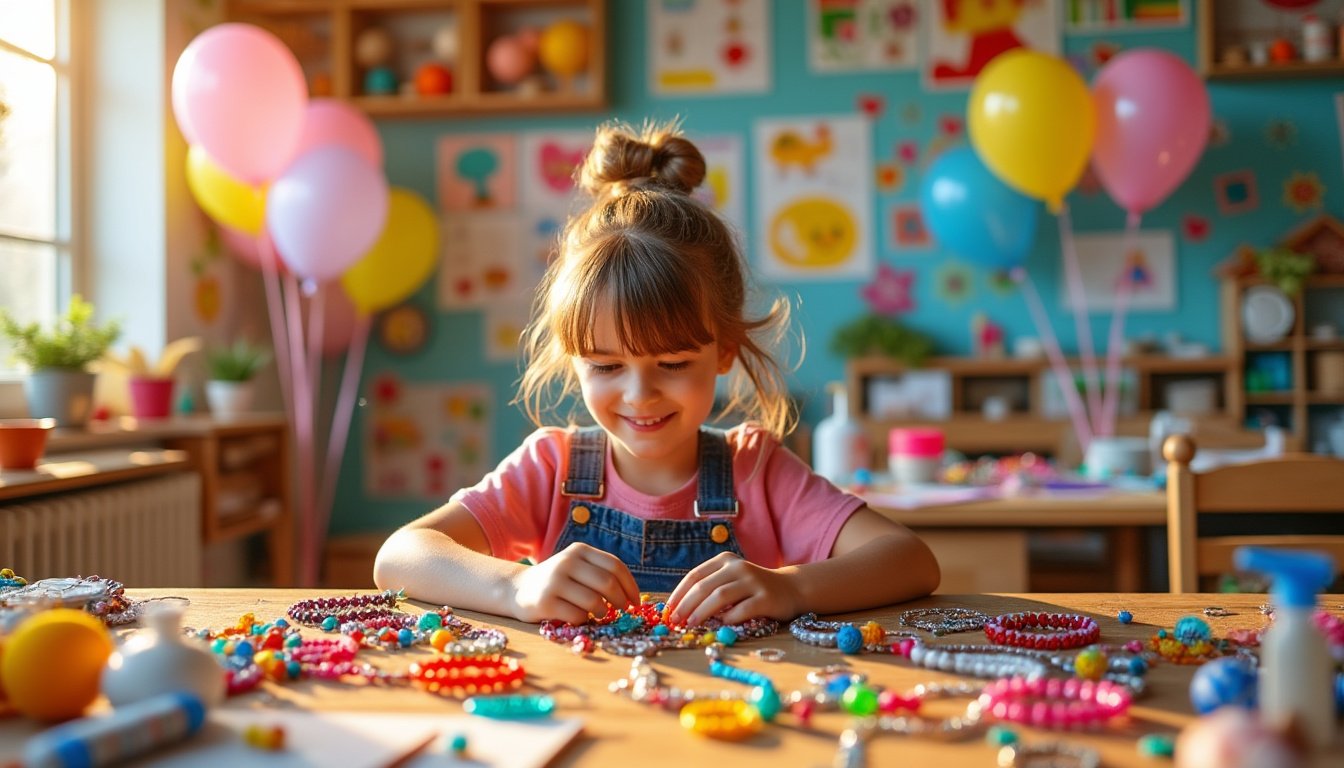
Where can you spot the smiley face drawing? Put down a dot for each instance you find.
(813, 233)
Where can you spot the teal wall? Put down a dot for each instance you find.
(1247, 110)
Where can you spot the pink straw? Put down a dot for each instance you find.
(303, 428)
(1080, 318)
(1052, 351)
(1111, 406)
(340, 426)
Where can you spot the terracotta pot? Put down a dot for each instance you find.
(22, 441)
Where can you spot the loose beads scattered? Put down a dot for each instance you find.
(8, 580)
(1124, 617)
(729, 720)
(270, 739)
(944, 621)
(1054, 703)
(1071, 630)
(642, 630)
(1156, 745)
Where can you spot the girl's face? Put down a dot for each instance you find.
(650, 406)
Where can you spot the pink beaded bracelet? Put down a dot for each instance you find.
(1067, 630)
(1054, 703)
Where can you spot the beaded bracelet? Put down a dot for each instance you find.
(1054, 703)
(944, 621)
(312, 612)
(1076, 630)
(1050, 755)
(726, 719)
(460, 675)
(984, 665)
(847, 636)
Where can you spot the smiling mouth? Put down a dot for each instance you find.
(647, 422)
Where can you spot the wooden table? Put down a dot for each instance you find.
(618, 731)
(993, 530)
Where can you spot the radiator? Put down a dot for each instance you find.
(143, 533)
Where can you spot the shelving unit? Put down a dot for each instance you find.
(1029, 425)
(1224, 25)
(1304, 386)
(325, 36)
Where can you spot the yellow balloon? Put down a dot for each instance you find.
(1031, 121)
(401, 260)
(230, 202)
(563, 48)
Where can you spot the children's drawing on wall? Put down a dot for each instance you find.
(1236, 192)
(483, 262)
(477, 172)
(963, 35)
(906, 228)
(891, 292)
(849, 35)
(504, 323)
(1082, 16)
(1303, 191)
(813, 197)
(709, 46)
(547, 163)
(424, 441)
(1106, 259)
(724, 187)
(953, 283)
(403, 329)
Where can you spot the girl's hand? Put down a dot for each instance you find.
(738, 589)
(572, 584)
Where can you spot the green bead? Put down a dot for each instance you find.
(459, 744)
(1157, 745)
(999, 736)
(512, 707)
(859, 699)
(429, 621)
(766, 699)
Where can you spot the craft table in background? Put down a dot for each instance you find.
(617, 731)
(981, 540)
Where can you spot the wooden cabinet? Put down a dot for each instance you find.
(422, 58)
(1025, 390)
(1230, 31)
(1295, 377)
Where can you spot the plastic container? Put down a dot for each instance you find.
(1296, 671)
(915, 454)
(839, 444)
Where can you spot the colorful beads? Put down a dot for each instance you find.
(1124, 617)
(1156, 745)
(726, 719)
(849, 639)
(510, 707)
(1074, 630)
(429, 622)
(766, 700)
(330, 624)
(859, 700)
(1000, 736)
(458, 676)
(1222, 682)
(1054, 703)
(1192, 629)
(270, 739)
(1090, 664)
(458, 744)
(873, 633)
(726, 635)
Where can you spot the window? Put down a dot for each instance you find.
(36, 254)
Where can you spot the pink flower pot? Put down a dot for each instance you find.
(151, 398)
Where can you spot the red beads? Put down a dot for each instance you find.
(1058, 630)
(467, 675)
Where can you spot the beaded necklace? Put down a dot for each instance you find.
(1061, 630)
(1054, 703)
(642, 630)
(847, 636)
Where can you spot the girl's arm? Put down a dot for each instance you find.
(874, 562)
(444, 557)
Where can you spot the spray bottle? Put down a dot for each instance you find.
(1296, 684)
(839, 444)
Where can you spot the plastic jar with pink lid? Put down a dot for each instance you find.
(915, 454)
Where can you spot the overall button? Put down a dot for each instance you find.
(719, 533)
(580, 515)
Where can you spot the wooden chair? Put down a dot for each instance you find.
(1296, 482)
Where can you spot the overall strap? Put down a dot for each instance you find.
(714, 492)
(587, 463)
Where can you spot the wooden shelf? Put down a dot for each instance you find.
(328, 38)
(1227, 25)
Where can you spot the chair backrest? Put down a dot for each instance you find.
(1295, 482)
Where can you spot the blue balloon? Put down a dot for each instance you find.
(974, 214)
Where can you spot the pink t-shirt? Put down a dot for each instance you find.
(787, 514)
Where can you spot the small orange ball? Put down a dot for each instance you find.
(433, 79)
(53, 662)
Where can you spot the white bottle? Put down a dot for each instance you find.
(839, 444)
(160, 661)
(1296, 671)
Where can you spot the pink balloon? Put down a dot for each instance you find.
(1153, 120)
(338, 319)
(328, 121)
(326, 211)
(248, 248)
(241, 93)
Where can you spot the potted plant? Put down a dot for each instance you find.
(1287, 269)
(230, 389)
(59, 384)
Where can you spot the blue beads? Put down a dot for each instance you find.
(1124, 617)
(293, 670)
(766, 699)
(282, 623)
(458, 744)
(999, 736)
(726, 635)
(660, 630)
(405, 637)
(1223, 682)
(849, 639)
(1138, 667)
(330, 624)
(1192, 629)
(243, 650)
(429, 622)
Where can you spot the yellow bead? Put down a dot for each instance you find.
(689, 638)
(6, 573)
(708, 638)
(873, 633)
(440, 639)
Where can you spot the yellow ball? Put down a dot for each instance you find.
(52, 663)
(563, 48)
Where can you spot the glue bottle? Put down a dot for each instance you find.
(839, 444)
(112, 739)
(1296, 684)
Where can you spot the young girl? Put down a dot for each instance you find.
(641, 313)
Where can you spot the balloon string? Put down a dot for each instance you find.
(1074, 276)
(1063, 376)
(317, 317)
(340, 427)
(303, 429)
(270, 272)
(1111, 405)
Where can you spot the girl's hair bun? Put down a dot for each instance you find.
(623, 159)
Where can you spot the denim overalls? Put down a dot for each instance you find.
(658, 552)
